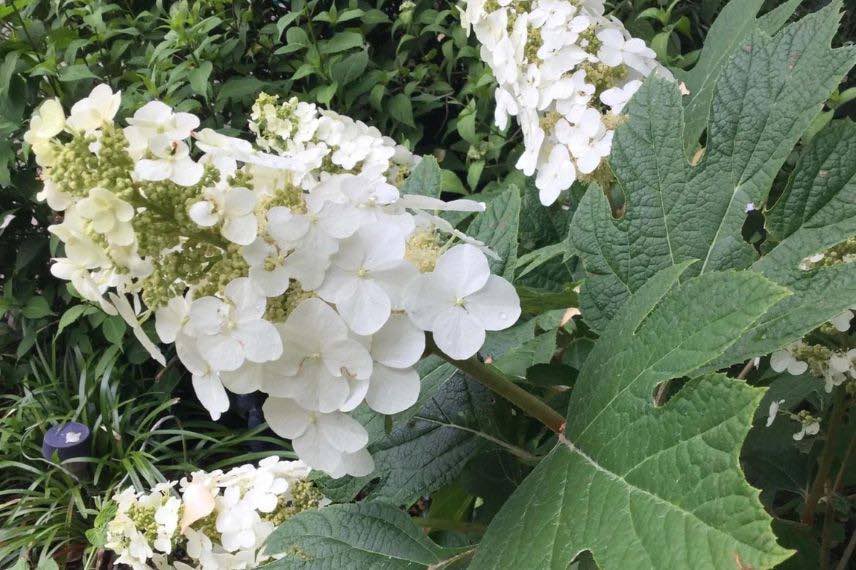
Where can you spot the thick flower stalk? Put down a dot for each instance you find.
(297, 269)
(209, 521)
(565, 70)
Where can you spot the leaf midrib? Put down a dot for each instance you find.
(631, 488)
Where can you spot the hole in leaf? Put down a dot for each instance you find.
(664, 391)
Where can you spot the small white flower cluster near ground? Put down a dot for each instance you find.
(209, 521)
(565, 70)
(304, 274)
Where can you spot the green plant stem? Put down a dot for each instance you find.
(848, 552)
(826, 537)
(494, 379)
(817, 487)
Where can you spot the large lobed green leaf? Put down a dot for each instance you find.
(764, 99)
(643, 486)
(736, 21)
(816, 211)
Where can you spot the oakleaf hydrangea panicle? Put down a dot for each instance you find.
(293, 266)
(565, 71)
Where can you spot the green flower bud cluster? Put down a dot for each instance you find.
(165, 221)
(115, 164)
(327, 165)
(228, 265)
(304, 496)
(144, 520)
(398, 175)
(589, 39)
(602, 175)
(291, 197)
(77, 168)
(177, 269)
(241, 178)
(278, 308)
(602, 76)
(815, 355)
(533, 42)
(549, 119)
(208, 526)
(805, 418)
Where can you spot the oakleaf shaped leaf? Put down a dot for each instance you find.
(765, 97)
(733, 24)
(628, 477)
(816, 211)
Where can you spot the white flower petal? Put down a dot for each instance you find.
(222, 352)
(496, 305)
(313, 449)
(260, 340)
(392, 390)
(211, 394)
(399, 343)
(425, 298)
(202, 213)
(285, 417)
(153, 170)
(186, 172)
(457, 333)
(367, 309)
(343, 432)
(240, 230)
(463, 269)
(347, 357)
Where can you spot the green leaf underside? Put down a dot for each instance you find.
(631, 475)
(430, 443)
(429, 451)
(362, 535)
(764, 99)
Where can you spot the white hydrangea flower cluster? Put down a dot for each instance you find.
(565, 70)
(209, 521)
(306, 274)
(834, 366)
(326, 140)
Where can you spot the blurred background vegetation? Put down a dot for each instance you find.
(407, 68)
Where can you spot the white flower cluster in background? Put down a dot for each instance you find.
(209, 521)
(834, 366)
(322, 139)
(304, 274)
(809, 425)
(565, 70)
